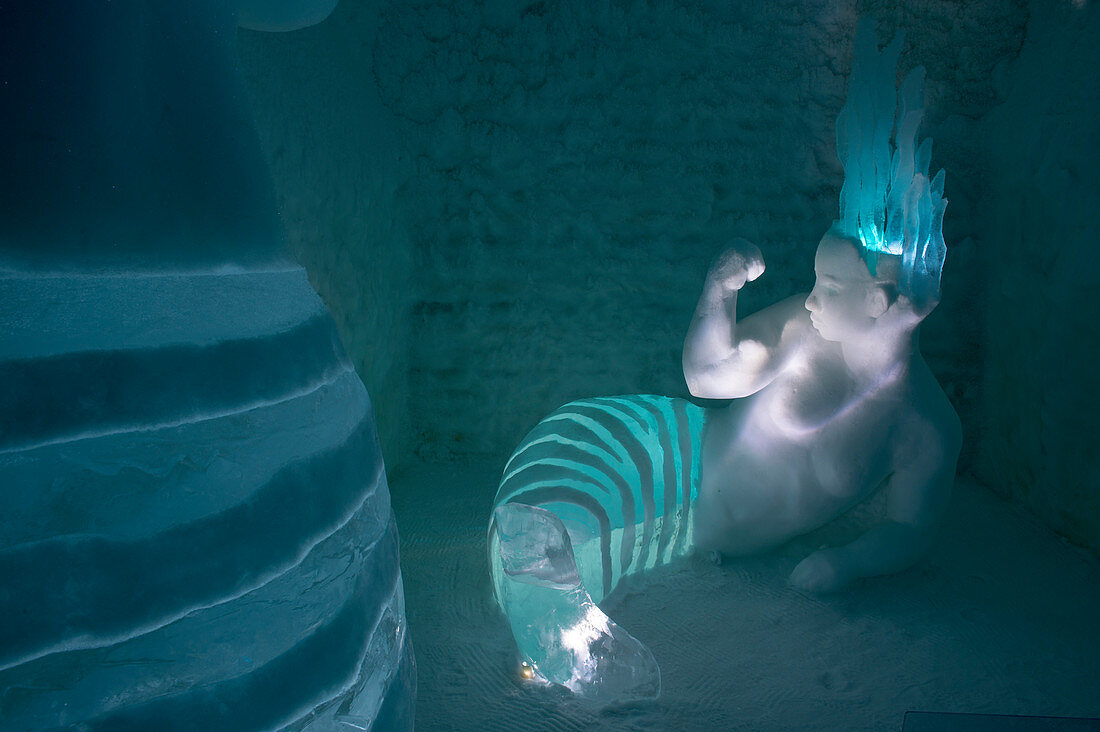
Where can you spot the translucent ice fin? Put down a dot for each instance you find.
(910, 113)
(535, 547)
(559, 630)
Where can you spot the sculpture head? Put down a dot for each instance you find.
(888, 202)
(849, 304)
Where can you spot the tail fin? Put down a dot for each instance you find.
(560, 631)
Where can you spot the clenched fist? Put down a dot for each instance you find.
(742, 262)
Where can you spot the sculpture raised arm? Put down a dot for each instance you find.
(724, 358)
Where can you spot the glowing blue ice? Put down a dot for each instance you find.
(196, 528)
(888, 201)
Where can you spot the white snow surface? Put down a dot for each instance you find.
(1000, 619)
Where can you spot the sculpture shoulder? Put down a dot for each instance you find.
(788, 318)
(793, 310)
(931, 423)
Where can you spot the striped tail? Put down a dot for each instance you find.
(608, 483)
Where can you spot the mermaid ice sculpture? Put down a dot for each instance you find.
(196, 529)
(832, 402)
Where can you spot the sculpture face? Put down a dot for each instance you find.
(846, 300)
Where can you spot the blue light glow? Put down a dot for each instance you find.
(888, 202)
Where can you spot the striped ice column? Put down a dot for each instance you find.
(196, 528)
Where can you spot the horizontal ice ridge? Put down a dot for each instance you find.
(386, 671)
(50, 315)
(206, 645)
(81, 592)
(61, 397)
(285, 687)
(399, 699)
(134, 484)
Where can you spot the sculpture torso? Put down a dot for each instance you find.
(805, 448)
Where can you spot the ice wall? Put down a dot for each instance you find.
(108, 163)
(578, 164)
(1041, 402)
(339, 167)
(196, 517)
(196, 528)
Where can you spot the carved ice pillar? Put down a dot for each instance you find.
(196, 528)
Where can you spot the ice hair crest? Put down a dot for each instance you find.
(888, 203)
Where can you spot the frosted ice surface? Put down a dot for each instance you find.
(197, 519)
(539, 551)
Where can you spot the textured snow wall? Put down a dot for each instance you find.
(338, 167)
(196, 528)
(578, 164)
(1041, 405)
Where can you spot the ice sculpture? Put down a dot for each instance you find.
(196, 529)
(831, 403)
(888, 202)
(599, 490)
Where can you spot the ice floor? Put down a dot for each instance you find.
(1003, 618)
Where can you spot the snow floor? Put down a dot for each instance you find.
(1002, 618)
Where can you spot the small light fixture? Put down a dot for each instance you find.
(526, 671)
